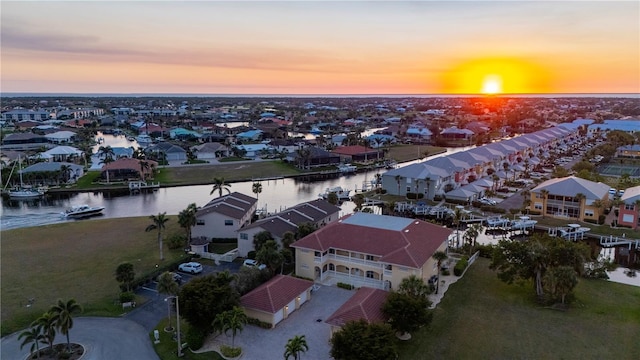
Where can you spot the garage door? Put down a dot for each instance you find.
(277, 317)
(303, 298)
(292, 306)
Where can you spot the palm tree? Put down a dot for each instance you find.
(457, 217)
(106, 161)
(34, 337)
(545, 194)
(158, 223)
(219, 185)
(144, 169)
(187, 220)
(125, 274)
(63, 312)
(65, 171)
(47, 323)
(439, 256)
(415, 287)
(231, 320)
(106, 152)
(256, 188)
(295, 346)
(167, 285)
(270, 256)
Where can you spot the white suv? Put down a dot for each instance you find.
(191, 267)
(253, 264)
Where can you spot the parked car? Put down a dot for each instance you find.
(176, 277)
(191, 267)
(253, 264)
(487, 201)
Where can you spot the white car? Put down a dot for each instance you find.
(253, 264)
(191, 267)
(487, 201)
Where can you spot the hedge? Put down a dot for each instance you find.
(256, 322)
(460, 266)
(345, 286)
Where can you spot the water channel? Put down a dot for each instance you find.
(276, 195)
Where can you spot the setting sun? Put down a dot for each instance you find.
(492, 84)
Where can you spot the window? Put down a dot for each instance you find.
(537, 206)
(588, 213)
(388, 267)
(629, 206)
(332, 251)
(199, 222)
(370, 274)
(244, 236)
(332, 267)
(371, 258)
(408, 188)
(228, 223)
(316, 254)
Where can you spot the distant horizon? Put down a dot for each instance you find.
(244, 95)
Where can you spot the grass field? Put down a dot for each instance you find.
(402, 153)
(482, 318)
(74, 260)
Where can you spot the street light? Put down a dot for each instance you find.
(177, 322)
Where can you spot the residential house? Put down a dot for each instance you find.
(184, 134)
(629, 211)
(358, 153)
(224, 216)
(627, 125)
(458, 135)
(253, 150)
(560, 198)
(273, 301)
(24, 114)
(24, 141)
(250, 135)
(364, 249)
(318, 212)
(62, 153)
(171, 151)
(628, 151)
(316, 157)
(54, 169)
(419, 133)
(210, 150)
(366, 304)
(61, 137)
(127, 169)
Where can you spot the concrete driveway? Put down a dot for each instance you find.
(102, 338)
(258, 343)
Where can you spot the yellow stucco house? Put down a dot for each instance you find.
(377, 251)
(570, 198)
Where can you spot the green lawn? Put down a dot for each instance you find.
(167, 349)
(74, 260)
(482, 318)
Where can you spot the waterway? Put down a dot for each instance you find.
(276, 195)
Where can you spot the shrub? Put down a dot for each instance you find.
(383, 191)
(195, 338)
(251, 255)
(535, 212)
(420, 196)
(256, 322)
(446, 272)
(411, 195)
(127, 296)
(176, 241)
(486, 251)
(601, 219)
(460, 266)
(514, 211)
(230, 352)
(345, 286)
(223, 240)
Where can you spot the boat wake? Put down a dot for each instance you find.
(28, 220)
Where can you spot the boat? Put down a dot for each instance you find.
(24, 192)
(523, 223)
(341, 193)
(390, 164)
(316, 131)
(131, 138)
(144, 139)
(497, 221)
(347, 168)
(573, 231)
(80, 211)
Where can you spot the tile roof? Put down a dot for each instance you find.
(273, 295)
(365, 304)
(411, 245)
(289, 219)
(571, 185)
(631, 195)
(235, 205)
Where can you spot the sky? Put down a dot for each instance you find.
(320, 47)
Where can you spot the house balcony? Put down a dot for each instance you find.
(347, 260)
(331, 278)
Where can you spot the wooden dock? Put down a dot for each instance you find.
(138, 186)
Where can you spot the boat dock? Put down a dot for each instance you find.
(137, 186)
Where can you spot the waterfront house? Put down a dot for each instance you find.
(318, 212)
(223, 216)
(24, 141)
(366, 304)
(273, 301)
(61, 137)
(570, 198)
(210, 150)
(128, 169)
(62, 153)
(358, 153)
(171, 151)
(50, 173)
(364, 249)
(629, 211)
(317, 157)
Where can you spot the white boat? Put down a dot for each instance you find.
(24, 192)
(80, 211)
(316, 131)
(131, 138)
(342, 194)
(573, 231)
(497, 221)
(347, 168)
(523, 223)
(144, 139)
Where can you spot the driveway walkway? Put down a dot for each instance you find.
(102, 338)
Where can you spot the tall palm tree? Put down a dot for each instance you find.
(159, 222)
(144, 169)
(295, 346)
(167, 285)
(34, 337)
(439, 256)
(187, 220)
(65, 172)
(270, 255)
(219, 185)
(47, 322)
(256, 188)
(63, 314)
(231, 320)
(106, 152)
(545, 194)
(457, 219)
(106, 161)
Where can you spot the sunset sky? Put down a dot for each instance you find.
(321, 47)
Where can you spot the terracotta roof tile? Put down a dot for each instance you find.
(365, 304)
(275, 293)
